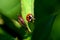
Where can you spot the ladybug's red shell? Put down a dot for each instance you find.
(29, 17)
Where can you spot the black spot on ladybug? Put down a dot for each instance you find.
(30, 17)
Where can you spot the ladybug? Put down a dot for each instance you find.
(29, 18)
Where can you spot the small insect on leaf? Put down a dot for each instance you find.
(30, 18)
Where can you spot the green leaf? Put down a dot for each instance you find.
(10, 8)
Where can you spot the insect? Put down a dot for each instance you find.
(30, 17)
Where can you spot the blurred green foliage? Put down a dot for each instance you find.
(46, 25)
(10, 8)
